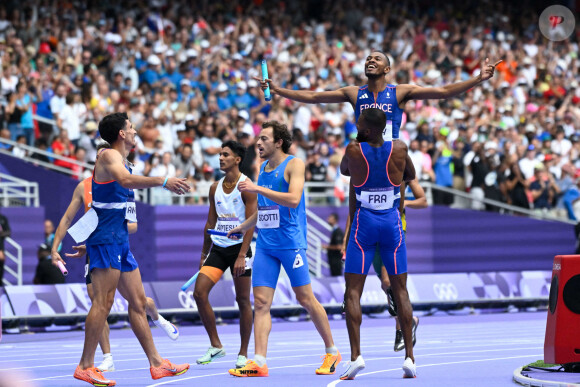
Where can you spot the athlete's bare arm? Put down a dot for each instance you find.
(75, 205)
(294, 175)
(111, 167)
(209, 224)
(410, 92)
(251, 203)
(420, 200)
(344, 94)
(351, 211)
(400, 164)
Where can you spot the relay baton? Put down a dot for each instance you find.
(62, 268)
(188, 283)
(223, 233)
(267, 96)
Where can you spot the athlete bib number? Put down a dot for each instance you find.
(227, 224)
(268, 217)
(131, 212)
(377, 198)
(388, 131)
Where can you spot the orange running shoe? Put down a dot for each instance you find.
(329, 364)
(167, 368)
(93, 376)
(250, 369)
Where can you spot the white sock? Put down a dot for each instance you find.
(260, 360)
(106, 355)
(332, 350)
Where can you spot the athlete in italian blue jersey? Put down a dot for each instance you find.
(281, 223)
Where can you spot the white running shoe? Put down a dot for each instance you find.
(107, 365)
(409, 368)
(242, 360)
(211, 355)
(170, 329)
(353, 368)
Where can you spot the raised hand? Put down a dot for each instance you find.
(487, 70)
(264, 84)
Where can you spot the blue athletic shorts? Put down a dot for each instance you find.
(369, 229)
(116, 256)
(267, 263)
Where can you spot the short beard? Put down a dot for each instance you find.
(374, 76)
(361, 137)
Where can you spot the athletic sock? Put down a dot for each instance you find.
(332, 350)
(260, 360)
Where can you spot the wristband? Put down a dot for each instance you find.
(165, 182)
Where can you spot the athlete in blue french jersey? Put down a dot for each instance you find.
(281, 221)
(377, 93)
(112, 265)
(376, 221)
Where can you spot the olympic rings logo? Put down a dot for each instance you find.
(445, 291)
(186, 300)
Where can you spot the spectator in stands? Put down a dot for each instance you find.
(49, 234)
(442, 167)
(203, 185)
(211, 147)
(58, 100)
(70, 116)
(543, 188)
(62, 146)
(161, 166)
(247, 167)
(427, 172)
(14, 114)
(5, 232)
(17, 150)
(335, 246)
(89, 140)
(46, 272)
(24, 103)
(528, 163)
(316, 172)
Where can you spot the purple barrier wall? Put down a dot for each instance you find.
(440, 240)
(445, 240)
(179, 233)
(55, 189)
(48, 300)
(27, 225)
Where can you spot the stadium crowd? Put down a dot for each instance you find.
(183, 71)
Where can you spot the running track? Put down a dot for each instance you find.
(473, 350)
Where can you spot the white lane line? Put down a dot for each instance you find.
(368, 373)
(366, 348)
(334, 383)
